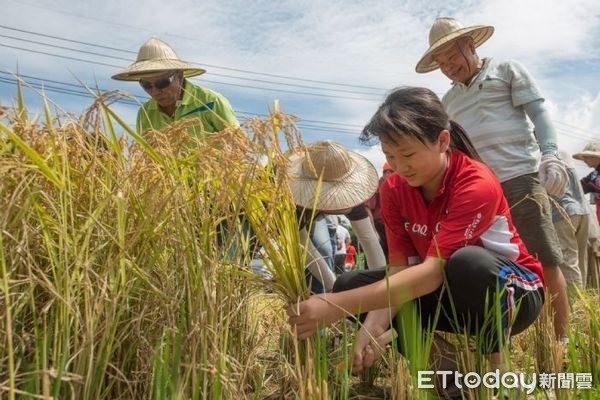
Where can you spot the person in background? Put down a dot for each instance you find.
(332, 223)
(163, 75)
(570, 216)
(342, 236)
(451, 240)
(322, 236)
(347, 180)
(591, 183)
(593, 250)
(503, 112)
(374, 207)
(350, 254)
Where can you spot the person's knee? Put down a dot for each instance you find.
(466, 261)
(357, 278)
(345, 281)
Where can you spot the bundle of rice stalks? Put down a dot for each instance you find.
(124, 261)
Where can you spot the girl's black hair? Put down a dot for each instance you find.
(416, 112)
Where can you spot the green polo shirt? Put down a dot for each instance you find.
(211, 111)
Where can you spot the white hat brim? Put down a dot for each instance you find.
(479, 33)
(353, 189)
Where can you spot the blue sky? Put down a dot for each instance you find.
(344, 54)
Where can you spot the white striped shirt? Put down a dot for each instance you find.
(490, 109)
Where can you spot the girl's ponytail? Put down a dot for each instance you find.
(460, 141)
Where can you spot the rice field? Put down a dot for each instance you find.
(125, 273)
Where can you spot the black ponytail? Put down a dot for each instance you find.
(459, 140)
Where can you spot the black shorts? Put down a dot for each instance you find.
(477, 283)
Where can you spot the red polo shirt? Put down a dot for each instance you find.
(468, 209)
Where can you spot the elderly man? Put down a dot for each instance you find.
(163, 75)
(495, 101)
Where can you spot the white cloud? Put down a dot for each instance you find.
(584, 113)
(370, 44)
(539, 31)
(375, 155)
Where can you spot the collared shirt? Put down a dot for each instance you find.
(210, 110)
(469, 209)
(490, 109)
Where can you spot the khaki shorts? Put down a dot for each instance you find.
(573, 237)
(531, 215)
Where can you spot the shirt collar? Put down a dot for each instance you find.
(153, 105)
(452, 161)
(482, 71)
(187, 93)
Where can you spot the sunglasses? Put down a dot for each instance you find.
(159, 84)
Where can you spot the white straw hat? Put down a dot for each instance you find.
(154, 57)
(592, 149)
(347, 178)
(446, 30)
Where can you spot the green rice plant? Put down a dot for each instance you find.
(115, 274)
(132, 258)
(583, 351)
(272, 215)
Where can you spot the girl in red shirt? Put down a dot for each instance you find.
(452, 243)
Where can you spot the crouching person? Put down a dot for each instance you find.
(451, 240)
(327, 179)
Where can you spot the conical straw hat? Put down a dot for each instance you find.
(347, 178)
(443, 32)
(154, 57)
(591, 149)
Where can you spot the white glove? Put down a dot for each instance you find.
(553, 175)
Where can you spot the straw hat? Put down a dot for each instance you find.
(592, 149)
(446, 30)
(348, 178)
(154, 57)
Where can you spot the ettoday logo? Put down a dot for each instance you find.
(506, 380)
(472, 380)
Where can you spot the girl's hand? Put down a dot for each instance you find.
(372, 337)
(309, 315)
(368, 346)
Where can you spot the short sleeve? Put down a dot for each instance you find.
(225, 116)
(523, 87)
